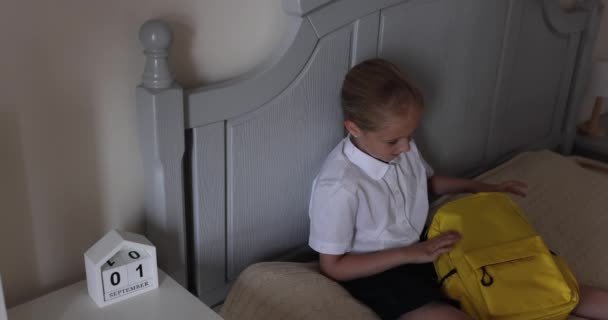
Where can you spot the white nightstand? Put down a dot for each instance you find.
(169, 302)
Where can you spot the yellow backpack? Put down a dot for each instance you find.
(501, 268)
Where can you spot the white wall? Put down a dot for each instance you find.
(70, 168)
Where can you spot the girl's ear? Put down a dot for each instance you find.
(352, 128)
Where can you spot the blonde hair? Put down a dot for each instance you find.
(374, 90)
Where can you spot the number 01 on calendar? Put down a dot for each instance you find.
(120, 265)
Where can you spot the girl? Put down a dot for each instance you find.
(369, 203)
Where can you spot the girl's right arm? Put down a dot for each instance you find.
(352, 266)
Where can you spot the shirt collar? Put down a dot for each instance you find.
(373, 167)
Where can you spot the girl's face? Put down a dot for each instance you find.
(391, 140)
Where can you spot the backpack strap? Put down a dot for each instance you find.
(449, 274)
(486, 279)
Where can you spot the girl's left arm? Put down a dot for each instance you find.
(441, 185)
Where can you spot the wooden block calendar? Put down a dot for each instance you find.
(120, 265)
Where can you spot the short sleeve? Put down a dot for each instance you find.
(332, 213)
(427, 167)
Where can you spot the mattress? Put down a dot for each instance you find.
(566, 202)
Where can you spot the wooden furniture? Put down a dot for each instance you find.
(168, 301)
(595, 147)
(593, 126)
(599, 90)
(2, 303)
(229, 166)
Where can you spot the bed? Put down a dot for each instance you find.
(229, 166)
(569, 216)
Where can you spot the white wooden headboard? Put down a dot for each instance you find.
(2, 303)
(228, 167)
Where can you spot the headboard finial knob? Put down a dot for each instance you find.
(156, 37)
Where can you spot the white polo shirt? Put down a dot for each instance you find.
(360, 204)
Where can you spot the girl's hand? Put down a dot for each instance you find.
(429, 250)
(513, 186)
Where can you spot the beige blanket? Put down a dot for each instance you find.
(567, 202)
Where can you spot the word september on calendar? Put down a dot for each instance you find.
(126, 272)
(130, 289)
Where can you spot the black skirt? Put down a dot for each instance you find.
(397, 291)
